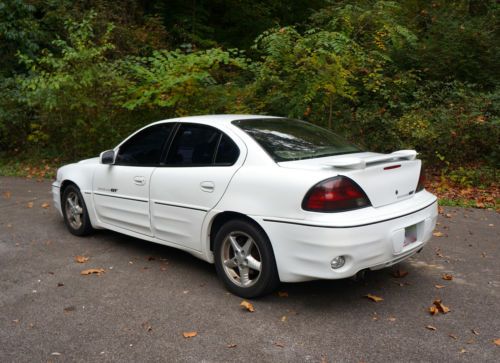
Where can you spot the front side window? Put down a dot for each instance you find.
(287, 140)
(145, 147)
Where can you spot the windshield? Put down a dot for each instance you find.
(287, 140)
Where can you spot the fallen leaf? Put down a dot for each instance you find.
(151, 258)
(442, 308)
(91, 271)
(81, 259)
(278, 344)
(399, 273)
(433, 310)
(453, 336)
(447, 215)
(163, 268)
(474, 331)
(496, 341)
(189, 334)
(55, 353)
(438, 234)
(247, 306)
(447, 277)
(430, 327)
(391, 318)
(463, 351)
(59, 284)
(147, 326)
(374, 298)
(69, 309)
(7, 195)
(283, 318)
(30, 205)
(45, 205)
(231, 345)
(15, 321)
(282, 294)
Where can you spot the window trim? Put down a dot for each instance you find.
(163, 160)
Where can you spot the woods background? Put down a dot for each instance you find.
(78, 76)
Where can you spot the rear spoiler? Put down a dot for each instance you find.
(352, 162)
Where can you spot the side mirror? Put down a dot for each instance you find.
(107, 157)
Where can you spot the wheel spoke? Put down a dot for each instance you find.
(79, 209)
(247, 247)
(253, 263)
(234, 244)
(231, 263)
(244, 278)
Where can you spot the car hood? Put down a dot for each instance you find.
(90, 161)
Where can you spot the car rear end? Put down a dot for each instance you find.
(364, 210)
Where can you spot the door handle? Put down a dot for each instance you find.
(207, 186)
(139, 180)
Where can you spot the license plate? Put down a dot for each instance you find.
(410, 235)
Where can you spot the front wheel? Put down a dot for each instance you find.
(244, 259)
(75, 212)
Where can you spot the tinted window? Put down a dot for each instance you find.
(227, 152)
(193, 145)
(145, 147)
(286, 139)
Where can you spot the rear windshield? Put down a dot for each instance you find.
(287, 140)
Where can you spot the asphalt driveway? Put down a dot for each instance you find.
(149, 295)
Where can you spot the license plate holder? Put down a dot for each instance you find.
(410, 235)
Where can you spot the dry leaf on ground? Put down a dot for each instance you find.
(453, 336)
(247, 306)
(447, 277)
(433, 310)
(146, 326)
(45, 205)
(91, 271)
(439, 286)
(430, 327)
(30, 205)
(438, 234)
(189, 334)
(232, 345)
(441, 307)
(496, 341)
(282, 294)
(7, 195)
(474, 331)
(374, 298)
(399, 273)
(278, 344)
(81, 259)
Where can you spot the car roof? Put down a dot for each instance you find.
(209, 119)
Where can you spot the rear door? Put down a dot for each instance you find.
(121, 190)
(199, 165)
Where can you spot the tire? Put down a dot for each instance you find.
(241, 249)
(76, 219)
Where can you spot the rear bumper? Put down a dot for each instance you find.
(304, 252)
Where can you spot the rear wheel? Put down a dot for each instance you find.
(244, 259)
(75, 212)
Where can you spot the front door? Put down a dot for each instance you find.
(121, 190)
(200, 163)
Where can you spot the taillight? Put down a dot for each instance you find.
(335, 195)
(421, 180)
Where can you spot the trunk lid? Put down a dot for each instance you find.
(385, 178)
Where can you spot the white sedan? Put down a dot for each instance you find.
(266, 199)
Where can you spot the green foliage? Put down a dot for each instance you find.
(184, 83)
(387, 75)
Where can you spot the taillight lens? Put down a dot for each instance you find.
(421, 180)
(335, 195)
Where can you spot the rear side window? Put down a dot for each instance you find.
(145, 147)
(201, 145)
(193, 145)
(227, 152)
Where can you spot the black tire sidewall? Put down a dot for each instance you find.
(86, 226)
(268, 279)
